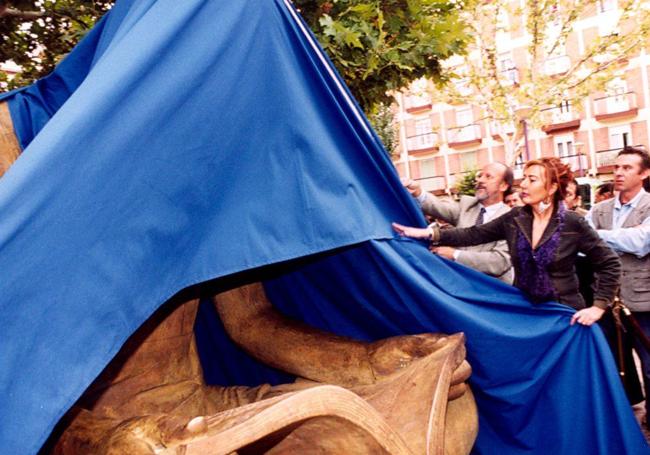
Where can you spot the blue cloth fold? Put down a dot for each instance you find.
(186, 141)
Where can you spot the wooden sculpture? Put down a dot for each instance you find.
(401, 395)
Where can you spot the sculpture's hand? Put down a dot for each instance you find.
(392, 354)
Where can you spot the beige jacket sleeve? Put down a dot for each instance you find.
(495, 262)
(443, 209)
(491, 258)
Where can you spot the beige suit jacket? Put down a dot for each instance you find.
(491, 258)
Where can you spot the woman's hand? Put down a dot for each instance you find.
(587, 316)
(412, 232)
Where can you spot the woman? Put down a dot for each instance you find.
(544, 240)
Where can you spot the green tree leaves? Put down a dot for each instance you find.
(377, 46)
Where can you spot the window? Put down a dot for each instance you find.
(608, 17)
(505, 62)
(606, 5)
(418, 94)
(506, 66)
(422, 126)
(562, 113)
(564, 146)
(503, 21)
(617, 100)
(465, 130)
(559, 64)
(468, 161)
(464, 116)
(428, 168)
(555, 38)
(620, 136)
(424, 137)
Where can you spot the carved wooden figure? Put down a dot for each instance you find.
(402, 395)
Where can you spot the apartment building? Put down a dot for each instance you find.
(440, 142)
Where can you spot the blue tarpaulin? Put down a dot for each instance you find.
(186, 141)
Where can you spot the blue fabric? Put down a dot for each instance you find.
(187, 141)
(541, 385)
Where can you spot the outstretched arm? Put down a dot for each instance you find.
(475, 235)
(289, 345)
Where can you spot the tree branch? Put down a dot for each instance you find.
(12, 12)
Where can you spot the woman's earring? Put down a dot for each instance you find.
(544, 205)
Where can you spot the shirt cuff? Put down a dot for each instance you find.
(421, 197)
(456, 255)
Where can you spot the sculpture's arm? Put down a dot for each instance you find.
(253, 323)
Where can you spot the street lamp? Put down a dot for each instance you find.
(522, 113)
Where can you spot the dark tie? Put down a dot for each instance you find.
(479, 219)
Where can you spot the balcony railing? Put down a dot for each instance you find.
(606, 158)
(415, 103)
(558, 118)
(577, 162)
(498, 128)
(422, 141)
(433, 183)
(557, 65)
(615, 106)
(511, 75)
(558, 115)
(464, 134)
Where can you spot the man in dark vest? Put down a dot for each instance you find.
(624, 223)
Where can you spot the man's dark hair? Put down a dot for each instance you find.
(638, 151)
(607, 187)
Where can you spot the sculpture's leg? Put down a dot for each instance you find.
(335, 421)
(9, 148)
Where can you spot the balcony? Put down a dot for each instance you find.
(510, 76)
(417, 103)
(558, 119)
(616, 107)
(556, 66)
(578, 163)
(498, 129)
(422, 142)
(464, 136)
(605, 159)
(435, 183)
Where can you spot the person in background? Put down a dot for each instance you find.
(604, 192)
(573, 200)
(544, 240)
(493, 182)
(623, 223)
(514, 200)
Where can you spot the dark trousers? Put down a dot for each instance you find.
(643, 318)
(623, 356)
